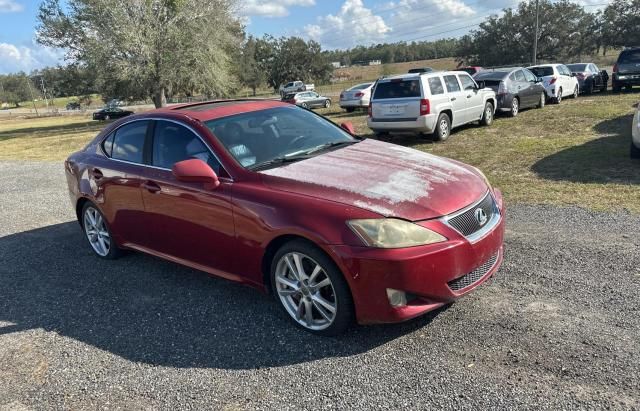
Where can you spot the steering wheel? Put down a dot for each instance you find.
(297, 140)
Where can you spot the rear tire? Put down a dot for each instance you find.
(304, 105)
(335, 294)
(98, 233)
(543, 100)
(487, 116)
(576, 92)
(558, 98)
(350, 109)
(515, 107)
(616, 88)
(443, 128)
(635, 151)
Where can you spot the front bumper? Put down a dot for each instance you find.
(423, 272)
(421, 124)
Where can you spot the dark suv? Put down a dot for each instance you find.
(626, 72)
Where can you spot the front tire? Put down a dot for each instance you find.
(311, 289)
(443, 128)
(576, 92)
(635, 151)
(487, 116)
(327, 103)
(98, 234)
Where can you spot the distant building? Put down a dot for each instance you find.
(375, 62)
(336, 64)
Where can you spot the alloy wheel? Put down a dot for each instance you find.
(559, 97)
(96, 231)
(327, 104)
(515, 107)
(575, 92)
(306, 291)
(444, 128)
(543, 100)
(488, 114)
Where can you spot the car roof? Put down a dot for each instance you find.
(418, 75)
(210, 110)
(547, 65)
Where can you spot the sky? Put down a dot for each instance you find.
(333, 23)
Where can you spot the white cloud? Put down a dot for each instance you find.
(26, 58)
(271, 8)
(10, 6)
(353, 24)
(414, 18)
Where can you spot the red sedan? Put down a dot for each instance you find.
(337, 227)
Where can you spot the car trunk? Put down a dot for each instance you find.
(629, 62)
(396, 100)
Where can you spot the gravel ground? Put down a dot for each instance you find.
(557, 328)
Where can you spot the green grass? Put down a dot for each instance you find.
(573, 153)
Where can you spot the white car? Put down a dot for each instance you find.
(295, 87)
(355, 97)
(429, 103)
(635, 134)
(558, 81)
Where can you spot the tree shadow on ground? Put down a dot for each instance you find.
(148, 310)
(55, 130)
(603, 160)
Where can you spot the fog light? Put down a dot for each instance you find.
(396, 298)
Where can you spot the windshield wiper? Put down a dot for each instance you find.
(277, 161)
(333, 144)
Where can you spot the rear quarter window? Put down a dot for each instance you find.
(397, 89)
(435, 86)
(128, 143)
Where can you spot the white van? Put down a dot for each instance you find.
(429, 103)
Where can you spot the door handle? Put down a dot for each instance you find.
(96, 174)
(453, 99)
(151, 187)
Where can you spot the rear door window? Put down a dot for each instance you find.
(128, 143)
(519, 75)
(452, 83)
(397, 89)
(529, 76)
(435, 86)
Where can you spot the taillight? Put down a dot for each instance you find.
(359, 94)
(370, 110)
(425, 107)
(553, 80)
(502, 88)
(615, 68)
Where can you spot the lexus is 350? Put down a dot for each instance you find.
(338, 228)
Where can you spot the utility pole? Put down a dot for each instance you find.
(31, 93)
(44, 91)
(535, 39)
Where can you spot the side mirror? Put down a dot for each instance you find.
(539, 80)
(573, 74)
(195, 171)
(481, 85)
(348, 127)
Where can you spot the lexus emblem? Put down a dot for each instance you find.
(481, 216)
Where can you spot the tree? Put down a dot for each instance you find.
(15, 88)
(147, 47)
(250, 73)
(566, 30)
(621, 22)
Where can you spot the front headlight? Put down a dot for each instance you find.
(393, 233)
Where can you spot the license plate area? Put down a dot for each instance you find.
(394, 109)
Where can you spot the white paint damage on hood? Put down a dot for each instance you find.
(375, 175)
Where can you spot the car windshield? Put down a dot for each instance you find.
(397, 88)
(631, 56)
(271, 137)
(542, 71)
(577, 67)
(470, 70)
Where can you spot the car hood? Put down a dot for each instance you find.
(384, 178)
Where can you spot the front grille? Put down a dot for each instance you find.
(467, 223)
(475, 275)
